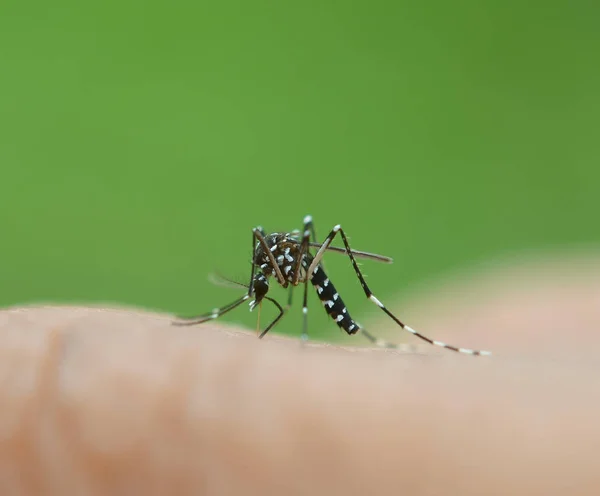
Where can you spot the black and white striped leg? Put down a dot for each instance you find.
(303, 250)
(257, 231)
(309, 231)
(215, 314)
(290, 299)
(377, 302)
(252, 270)
(304, 336)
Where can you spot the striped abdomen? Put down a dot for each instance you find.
(332, 301)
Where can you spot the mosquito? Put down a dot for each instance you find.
(287, 258)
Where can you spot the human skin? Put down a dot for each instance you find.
(118, 401)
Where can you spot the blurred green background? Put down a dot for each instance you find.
(141, 141)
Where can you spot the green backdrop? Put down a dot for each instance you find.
(141, 140)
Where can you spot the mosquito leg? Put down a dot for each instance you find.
(304, 336)
(309, 230)
(303, 250)
(277, 319)
(290, 298)
(261, 239)
(251, 283)
(375, 300)
(317, 258)
(313, 233)
(334, 306)
(215, 314)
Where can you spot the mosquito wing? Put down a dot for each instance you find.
(220, 280)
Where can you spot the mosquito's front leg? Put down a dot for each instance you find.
(261, 239)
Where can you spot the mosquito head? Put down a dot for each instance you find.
(261, 288)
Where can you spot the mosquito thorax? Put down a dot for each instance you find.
(285, 249)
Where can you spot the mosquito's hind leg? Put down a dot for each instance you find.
(314, 268)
